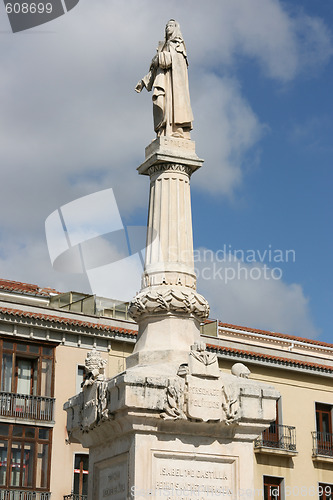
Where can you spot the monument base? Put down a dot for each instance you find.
(176, 432)
(173, 462)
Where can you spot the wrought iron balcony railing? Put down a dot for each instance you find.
(322, 443)
(24, 495)
(282, 437)
(26, 406)
(73, 496)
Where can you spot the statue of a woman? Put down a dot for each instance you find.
(168, 77)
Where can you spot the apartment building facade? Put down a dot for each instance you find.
(44, 339)
(294, 457)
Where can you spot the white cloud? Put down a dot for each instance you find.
(30, 263)
(264, 32)
(253, 295)
(227, 129)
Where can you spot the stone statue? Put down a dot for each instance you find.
(168, 77)
(94, 368)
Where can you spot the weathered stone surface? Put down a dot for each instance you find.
(111, 478)
(185, 433)
(189, 394)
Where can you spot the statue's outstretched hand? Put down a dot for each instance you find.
(139, 86)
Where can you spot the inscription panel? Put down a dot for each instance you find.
(194, 476)
(167, 143)
(111, 479)
(204, 399)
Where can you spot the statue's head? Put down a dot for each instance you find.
(172, 30)
(240, 370)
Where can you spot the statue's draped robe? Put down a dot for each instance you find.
(171, 98)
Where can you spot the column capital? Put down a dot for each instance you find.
(166, 299)
(168, 151)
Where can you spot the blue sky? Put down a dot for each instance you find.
(261, 77)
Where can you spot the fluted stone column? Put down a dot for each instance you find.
(168, 309)
(169, 255)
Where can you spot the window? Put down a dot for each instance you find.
(25, 377)
(81, 466)
(25, 453)
(324, 436)
(324, 418)
(272, 488)
(271, 436)
(80, 376)
(26, 368)
(325, 491)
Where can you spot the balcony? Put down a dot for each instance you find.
(24, 495)
(278, 439)
(73, 496)
(26, 407)
(322, 449)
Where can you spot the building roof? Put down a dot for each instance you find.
(66, 321)
(274, 334)
(26, 288)
(278, 360)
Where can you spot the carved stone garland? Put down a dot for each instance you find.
(169, 300)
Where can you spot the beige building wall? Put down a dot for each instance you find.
(67, 361)
(117, 357)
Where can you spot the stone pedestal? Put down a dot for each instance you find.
(155, 433)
